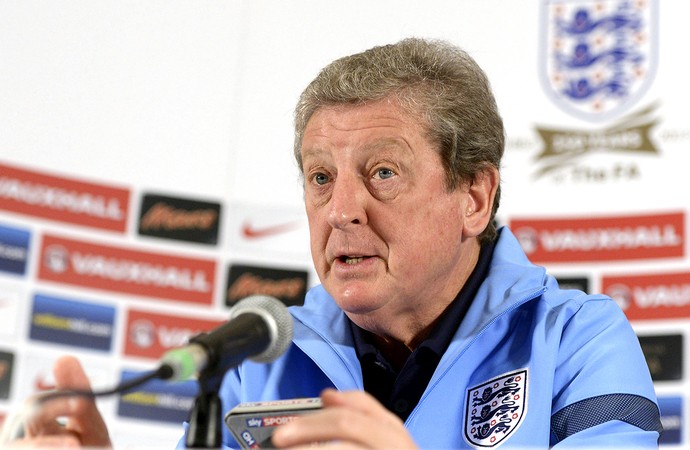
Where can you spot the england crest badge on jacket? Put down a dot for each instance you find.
(495, 409)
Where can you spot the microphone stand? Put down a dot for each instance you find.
(205, 424)
(250, 337)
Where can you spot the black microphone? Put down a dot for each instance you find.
(259, 329)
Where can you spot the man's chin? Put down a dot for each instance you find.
(358, 305)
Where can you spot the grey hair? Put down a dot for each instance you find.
(430, 79)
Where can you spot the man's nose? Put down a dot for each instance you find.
(348, 202)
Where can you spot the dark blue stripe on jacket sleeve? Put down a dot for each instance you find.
(633, 409)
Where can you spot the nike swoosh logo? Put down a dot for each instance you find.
(251, 232)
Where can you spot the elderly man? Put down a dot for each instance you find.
(430, 327)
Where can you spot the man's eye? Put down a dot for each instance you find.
(321, 178)
(384, 173)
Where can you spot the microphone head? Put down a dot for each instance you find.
(277, 318)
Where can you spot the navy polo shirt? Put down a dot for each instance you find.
(400, 391)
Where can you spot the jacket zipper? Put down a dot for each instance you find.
(489, 324)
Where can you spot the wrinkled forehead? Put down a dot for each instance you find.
(380, 120)
(405, 105)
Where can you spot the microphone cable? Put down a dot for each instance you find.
(13, 428)
(162, 373)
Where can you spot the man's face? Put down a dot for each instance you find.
(386, 235)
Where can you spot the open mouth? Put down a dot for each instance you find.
(351, 259)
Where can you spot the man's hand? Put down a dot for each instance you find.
(351, 419)
(81, 423)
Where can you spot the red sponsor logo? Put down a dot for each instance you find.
(273, 421)
(127, 271)
(250, 231)
(63, 199)
(582, 239)
(658, 296)
(149, 335)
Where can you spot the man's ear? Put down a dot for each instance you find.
(481, 193)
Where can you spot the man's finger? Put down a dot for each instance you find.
(69, 374)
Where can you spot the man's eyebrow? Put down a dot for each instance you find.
(311, 152)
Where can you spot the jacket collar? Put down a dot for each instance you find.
(322, 332)
(512, 280)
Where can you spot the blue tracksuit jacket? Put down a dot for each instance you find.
(530, 366)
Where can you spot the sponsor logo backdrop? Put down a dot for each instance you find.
(147, 181)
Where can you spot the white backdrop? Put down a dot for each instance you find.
(194, 99)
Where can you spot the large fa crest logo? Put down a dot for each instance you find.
(495, 409)
(598, 56)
